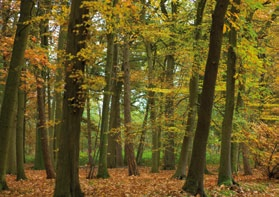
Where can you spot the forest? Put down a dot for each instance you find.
(139, 98)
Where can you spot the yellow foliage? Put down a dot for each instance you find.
(263, 141)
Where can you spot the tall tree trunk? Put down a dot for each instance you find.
(151, 95)
(152, 108)
(89, 128)
(39, 160)
(142, 137)
(11, 162)
(239, 110)
(58, 91)
(42, 119)
(115, 158)
(51, 110)
(9, 105)
(234, 156)
(102, 168)
(194, 180)
(186, 150)
(5, 8)
(129, 146)
(169, 156)
(42, 129)
(67, 180)
(20, 135)
(245, 157)
(225, 171)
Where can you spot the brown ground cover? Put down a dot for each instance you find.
(145, 185)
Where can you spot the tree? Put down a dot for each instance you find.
(9, 105)
(67, 180)
(115, 158)
(20, 126)
(184, 156)
(58, 90)
(194, 180)
(129, 146)
(102, 169)
(225, 171)
(42, 127)
(169, 156)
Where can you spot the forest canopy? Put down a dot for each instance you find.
(171, 84)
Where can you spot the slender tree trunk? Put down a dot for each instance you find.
(129, 146)
(102, 168)
(89, 128)
(8, 108)
(51, 110)
(39, 160)
(43, 130)
(143, 136)
(6, 16)
(11, 162)
(155, 163)
(152, 108)
(67, 180)
(186, 150)
(246, 162)
(234, 157)
(115, 158)
(5, 8)
(20, 135)
(169, 156)
(42, 127)
(225, 171)
(58, 92)
(239, 110)
(194, 180)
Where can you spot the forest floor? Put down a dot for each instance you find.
(146, 185)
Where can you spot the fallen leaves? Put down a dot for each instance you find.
(146, 185)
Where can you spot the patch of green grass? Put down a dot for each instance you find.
(147, 157)
(83, 158)
(259, 187)
(221, 192)
(212, 158)
(29, 158)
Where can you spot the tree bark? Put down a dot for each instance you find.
(43, 130)
(142, 137)
(169, 156)
(39, 159)
(20, 125)
(44, 8)
(234, 157)
(115, 158)
(225, 171)
(129, 146)
(67, 180)
(102, 168)
(11, 162)
(9, 105)
(194, 180)
(245, 156)
(186, 150)
(58, 92)
(89, 128)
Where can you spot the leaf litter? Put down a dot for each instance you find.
(146, 185)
